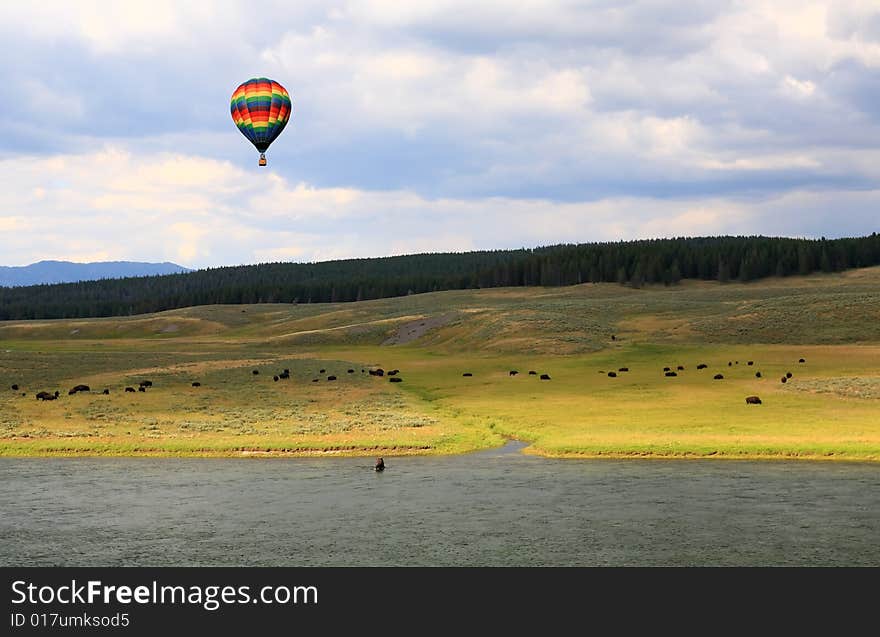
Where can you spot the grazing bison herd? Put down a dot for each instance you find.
(395, 378)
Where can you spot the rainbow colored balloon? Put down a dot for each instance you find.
(261, 109)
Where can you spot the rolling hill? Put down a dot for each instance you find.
(49, 272)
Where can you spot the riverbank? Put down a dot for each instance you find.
(601, 397)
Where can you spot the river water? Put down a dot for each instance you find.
(495, 508)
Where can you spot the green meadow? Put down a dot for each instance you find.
(829, 409)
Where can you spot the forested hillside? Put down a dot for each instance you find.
(636, 263)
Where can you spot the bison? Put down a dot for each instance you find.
(666, 369)
(702, 366)
(788, 374)
(681, 368)
(801, 360)
(532, 372)
(142, 388)
(15, 388)
(730, 363)
(757, 374)
(146, 383)
(44, 395)
(467, 374)
(623, 369)
(377, 372)
(512, 372)
(750, 363)
(396, 379)
(351, 371)
(255, 372)
(331, 378)
(380, 465)
(612, 374)
(784, 379)
(197, 384)
(670, 374)
(78, 388)
(394, 372)
(753, 400)
(718, 377)
(322, 371)
(315, 380)
(129, 389)
(545, 376)
(284, 375)
(613, 337)
(106, 392)
(275, 378)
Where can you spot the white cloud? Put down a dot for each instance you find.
(432, 125)
(266, 218)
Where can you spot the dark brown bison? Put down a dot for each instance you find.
(801, 360)
(286, 371)
(15, 388)
(467, 374)
(666, 369)
(396, 379)
(351, 371)
(44, 395)
(377, 372)
(146, 383)
(142, 388)
(77, 389)
(322, 371)
(380, 465)
(788, 374)
(331, 378)
(612, 374)
(532, 372)
(670, 374)
(315, 380)
(106, 392)
(702, 366)
(545, 376)
(197, 384)
(757, 374)
(681, 368)
(784, 379)
(623, 369)
(512, 372)
(730, 363)
(284, 375)
(275, 378)
(718, 377)
(394, 372)
(751, 363)
(255, 372)
(129, 389)
(753, 400)
(613, 337)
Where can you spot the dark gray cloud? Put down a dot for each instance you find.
(553, 104)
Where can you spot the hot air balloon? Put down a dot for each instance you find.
(261, 109)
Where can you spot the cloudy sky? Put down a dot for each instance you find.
(433, 126)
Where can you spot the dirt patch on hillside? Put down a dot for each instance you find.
(412, 330)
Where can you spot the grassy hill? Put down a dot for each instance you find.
(830, 408)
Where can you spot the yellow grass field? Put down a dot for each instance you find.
(829, 409)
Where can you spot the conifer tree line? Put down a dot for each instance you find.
(633, 263)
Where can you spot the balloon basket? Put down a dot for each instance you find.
(262, 159)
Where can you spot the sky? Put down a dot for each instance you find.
(433, 126)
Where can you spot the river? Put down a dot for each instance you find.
(496, 508)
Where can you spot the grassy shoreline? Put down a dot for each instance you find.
(828, 411)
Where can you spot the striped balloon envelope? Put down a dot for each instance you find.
(261, 109)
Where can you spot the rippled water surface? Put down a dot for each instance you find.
(489, 508)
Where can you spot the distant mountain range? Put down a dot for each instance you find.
(68, 272)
